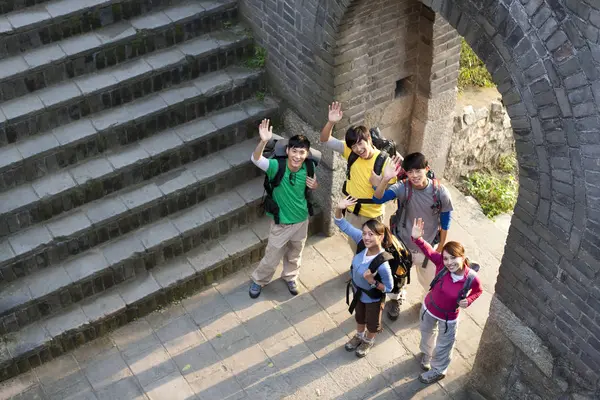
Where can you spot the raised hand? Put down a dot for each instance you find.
(312, 183)
(392, 168)
(265, 130)
(375, 179)
(335, 112)
(417, 229)
(346, 202)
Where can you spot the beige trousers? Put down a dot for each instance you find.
(287, 242)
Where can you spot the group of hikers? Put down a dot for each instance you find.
(384, 256)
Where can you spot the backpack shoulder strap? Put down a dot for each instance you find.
(467, 285)
(351, 160)
(380, 259)
(360, 246)
(408, 189)
(380, 162)
(276, 181)
(437, 278)
(437, 201)
(310, 167)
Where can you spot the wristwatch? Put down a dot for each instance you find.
(374, 285)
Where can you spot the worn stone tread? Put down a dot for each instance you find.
(73, 92)
(27, 28)
(62, 183)
(171, 186)
(88, 319)
(42, 290)
(38, 59)
(38, 147)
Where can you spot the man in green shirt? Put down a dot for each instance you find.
(287, 237)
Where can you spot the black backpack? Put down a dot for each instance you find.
(400, 261)
(275, 149)
(388, 149)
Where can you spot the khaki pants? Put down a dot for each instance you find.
(287, 242)
(357, 221)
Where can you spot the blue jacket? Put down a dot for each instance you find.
(359, 268)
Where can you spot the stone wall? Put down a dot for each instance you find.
(480, 136)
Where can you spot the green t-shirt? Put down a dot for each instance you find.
(289, 195)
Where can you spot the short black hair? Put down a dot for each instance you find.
(299, 142)
(414, 161)
(355, 134)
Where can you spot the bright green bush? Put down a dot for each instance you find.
(507, 163)
(473, 71)
(496, 195)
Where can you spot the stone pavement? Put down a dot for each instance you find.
(220, 344)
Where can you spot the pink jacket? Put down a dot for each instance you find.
(445, 293)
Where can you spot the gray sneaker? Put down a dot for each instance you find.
(425, 362)
(292, 287)
(431, 376)
(364, 348)
(394, 309)
(255, 290)
(353, 343)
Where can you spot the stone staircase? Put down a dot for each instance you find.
(126, 129)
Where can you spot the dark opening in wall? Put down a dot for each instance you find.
(402, 87)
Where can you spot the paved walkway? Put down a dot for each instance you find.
(220, 344)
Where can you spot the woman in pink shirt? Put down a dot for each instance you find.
(448, 293)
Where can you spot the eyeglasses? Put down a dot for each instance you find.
(292, 178)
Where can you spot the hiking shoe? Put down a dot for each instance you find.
(353, 343)
(425, 362)
(364, 348)
(255, 289)
(431, 376)
(292, 287)
(394, 309)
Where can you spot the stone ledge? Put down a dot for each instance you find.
(40, 200)
(93, 51)
(33, 27)
(101, 314)
(54, 288)
(120, 213)
(71, 101)
(512, 361)
(43, 154)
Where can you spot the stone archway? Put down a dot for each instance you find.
(543, 55)
(543, 59)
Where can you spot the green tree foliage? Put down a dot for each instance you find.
(473, 71)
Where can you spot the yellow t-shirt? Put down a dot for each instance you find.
(359, 186)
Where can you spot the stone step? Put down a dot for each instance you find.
(112, 45)
(49, 290)
(43, 24)
(7, 6)
(78, 98)
(52, 151)
(51, 242)
(57, 192)
(176, 278)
